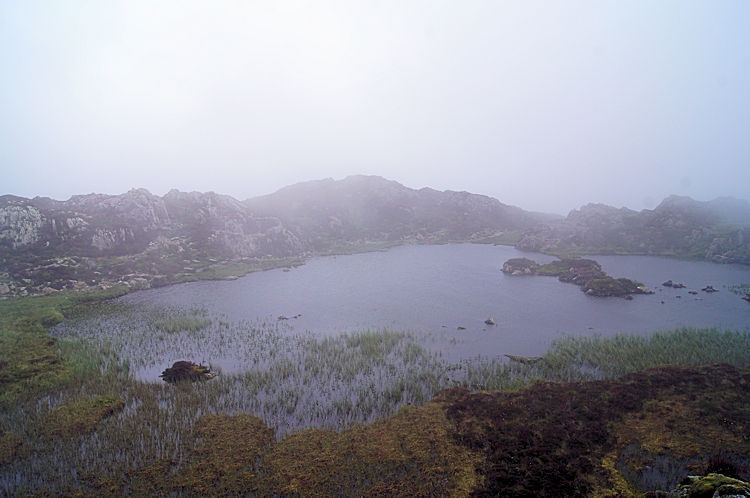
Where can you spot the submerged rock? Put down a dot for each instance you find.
(490, 321)
(186, 370)
(709, 288)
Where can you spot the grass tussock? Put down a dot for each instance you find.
(192, 321)
(78, 417)
(591, 358)
(30, 361)
(412, 453)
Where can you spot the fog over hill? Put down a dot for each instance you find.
(717, 230)
(142, 239)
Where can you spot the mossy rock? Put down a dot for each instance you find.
(713, 485)
(186, 371)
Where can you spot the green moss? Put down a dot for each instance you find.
(31, 360)
(608, 286)
(78, 417)
(225, 461)
(713, 485)
(410, 454)
(11, 447)
(179, 323)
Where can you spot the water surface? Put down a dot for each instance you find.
(436, 289)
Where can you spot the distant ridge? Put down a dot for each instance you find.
(717, 230)
(47, 245)
(139, 239)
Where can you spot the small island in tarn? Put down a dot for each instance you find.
(585, 273)
(186, 371)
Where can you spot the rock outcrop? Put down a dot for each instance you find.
(716, 231)
(586, 273)
(359, 210)
(48, 245)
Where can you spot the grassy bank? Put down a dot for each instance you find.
(349, 414)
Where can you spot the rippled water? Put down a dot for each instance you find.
(436, 289)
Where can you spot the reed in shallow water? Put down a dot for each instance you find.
(290, 381)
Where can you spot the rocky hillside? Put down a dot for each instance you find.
(141, 239)
(716, 231)
(364, 209)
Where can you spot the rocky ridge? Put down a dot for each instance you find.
(717, 231)
(138, 239)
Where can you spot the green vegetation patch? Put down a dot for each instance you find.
(30, 361)
(78, 417)
(10, 447)
(608, 286)
(225, 461)
(412, 453)
(182, 323)
(713, 485)
(569, 265)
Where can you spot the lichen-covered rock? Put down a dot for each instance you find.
(712, 485)
(20, 225)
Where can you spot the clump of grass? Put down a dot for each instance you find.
(740, 289)
(10, 447)
(31, 362)
(226, 459)
(78, 417)
(410, 454)
(182, 323)
(589, 358)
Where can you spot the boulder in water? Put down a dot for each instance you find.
(186, 371)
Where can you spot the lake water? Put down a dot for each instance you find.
(436, 289)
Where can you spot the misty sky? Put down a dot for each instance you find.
(544, 105)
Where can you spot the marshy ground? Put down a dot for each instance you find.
(368, 413)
